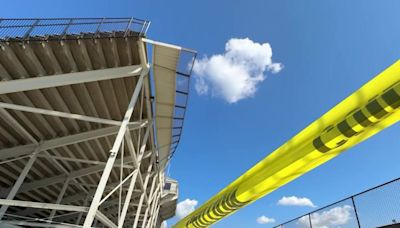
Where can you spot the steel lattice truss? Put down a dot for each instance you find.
(78, 125)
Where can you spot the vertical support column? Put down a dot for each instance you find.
(59, 198)
(309, 218)
(118, 140)
(19, 181)
(121, 173)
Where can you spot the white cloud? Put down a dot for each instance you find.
(185, 207)
(333, 217)
(275, 67)
(264, 220)
(295, 201)
(235, 74)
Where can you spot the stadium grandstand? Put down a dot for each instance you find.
(91, 113)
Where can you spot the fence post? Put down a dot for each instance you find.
(98, 27)
(128, 26)
(28, 33)
(355, 211)
(64, 33)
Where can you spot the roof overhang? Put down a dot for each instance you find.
(171, 88)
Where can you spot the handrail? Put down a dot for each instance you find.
(33, 29)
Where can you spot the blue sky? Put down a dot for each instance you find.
(328, 49)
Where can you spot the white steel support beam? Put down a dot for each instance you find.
(153, 154)
(121, 174)
(131, 149)
(60, 178)
(66, 200)
(86, 202)
(25, 133)
(138, 161)
(33, 224)
(6, 116)
(138, 210)
(59, 198)
(92, 162)
(64, 141)
(106, 221)
(68, 79)
(128, 197)
(118, 141)
(59, 114)
(51, 206)
(144, 194)
(8, 225)
(158, 205)
(134, 173)
(153, 42)
(154, 218)
(66, 217)
(153, 208)
(151, 203)
(19, 181)
(63, 169)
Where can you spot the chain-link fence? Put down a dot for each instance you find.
(377, 207)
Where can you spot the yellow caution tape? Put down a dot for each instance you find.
(372, 108)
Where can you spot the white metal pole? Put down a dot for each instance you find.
(120, 180)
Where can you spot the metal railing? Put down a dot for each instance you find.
(375, 207)
(183, 73)
(33, 29)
